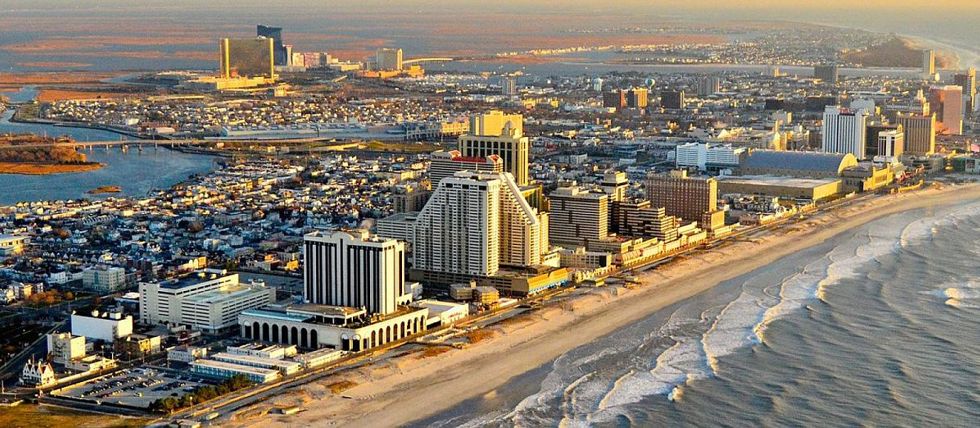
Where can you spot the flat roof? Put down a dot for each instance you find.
(324, 310)
(256, 359)
(772, 180)
(438, 306)
(190, 280)
(801, 161)
(235, 367)
(401, 216)
(282, 316)
(220, 295)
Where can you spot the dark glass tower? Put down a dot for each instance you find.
(274, 33)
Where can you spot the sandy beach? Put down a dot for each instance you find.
(401, 390)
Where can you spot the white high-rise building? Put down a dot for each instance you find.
(707, 156)
(354, 269)
(844, 131)
(476, 222)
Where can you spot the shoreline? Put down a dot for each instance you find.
(387, 391)
(27, 168)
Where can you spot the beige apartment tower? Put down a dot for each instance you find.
(578, 216)
(496, 133)
(920, 133)
(683, 196)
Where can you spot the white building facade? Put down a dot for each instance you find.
(844, 131)
(209, 300)
(354, 269)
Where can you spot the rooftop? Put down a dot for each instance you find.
(802, 161)
(774, 180)
(226, 293)
(194, 279)
(282, 316)
(235, 367)
(324, 310)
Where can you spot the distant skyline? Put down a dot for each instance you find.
(49, 31)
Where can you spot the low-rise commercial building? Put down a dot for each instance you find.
(283, 366)
(814, 189)
(209, 300)
(107, 326)
(313, 326)
(223, 370)
(443, 313)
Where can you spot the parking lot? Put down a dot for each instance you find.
(137, 387)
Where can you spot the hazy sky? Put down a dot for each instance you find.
(475, 5)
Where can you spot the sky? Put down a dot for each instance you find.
(510, 5)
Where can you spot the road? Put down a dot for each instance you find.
(38, 349)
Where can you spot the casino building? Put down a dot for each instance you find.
(354, 297)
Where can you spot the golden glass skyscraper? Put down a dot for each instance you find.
(247, 57)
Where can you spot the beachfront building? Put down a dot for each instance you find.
(354, 296)
(313, 326)
(224, 370)
(476, 222)
(796, 164)
(354, 269)
(689, 198)
(919, 133)
(578, 216)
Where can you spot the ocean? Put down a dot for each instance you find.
(879, 326)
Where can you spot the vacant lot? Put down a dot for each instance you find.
(31, 416)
